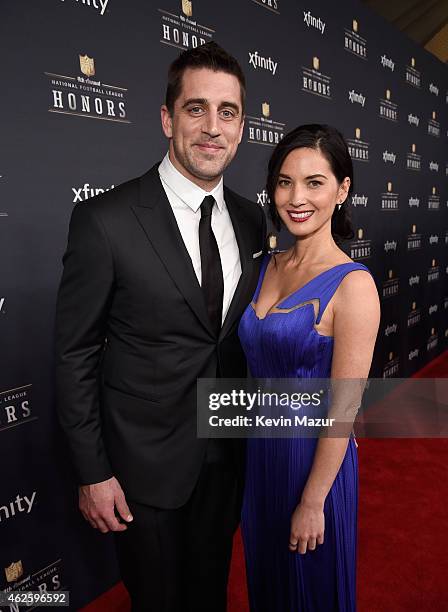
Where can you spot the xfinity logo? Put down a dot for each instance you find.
(390, 329)
(413, 120)
(387, 63)
(414, 202)
(83, 193)
(263, 198)
(389, 157)
(356, 97)
(9, 510)
(414, 280)
(313, 21)
(433, 89)
(434, 166)
(257, 61)
(433, 239)
(94, 3)
(390, 245)
(432, 309)
(359, 200)
(413, 354)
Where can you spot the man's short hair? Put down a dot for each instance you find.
(210, 56)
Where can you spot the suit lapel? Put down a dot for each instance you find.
(243, 236)
(159, 223)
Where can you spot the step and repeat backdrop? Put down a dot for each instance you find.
(81, 87)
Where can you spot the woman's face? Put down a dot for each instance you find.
(307, 192)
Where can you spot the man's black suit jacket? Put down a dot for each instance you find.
(132, 337)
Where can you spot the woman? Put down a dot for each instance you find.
(315, 314)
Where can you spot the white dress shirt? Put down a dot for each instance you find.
(186, 198)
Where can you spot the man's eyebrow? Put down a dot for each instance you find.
(204, 102)
(226, 104)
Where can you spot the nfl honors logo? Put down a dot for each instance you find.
(81, 96)
(358, 148)
(315, 82)
(433, 200)
(434, 126)
(413, 76)
(413, 160)
(433, 272)
(353, 42)
(389, 200)
(414, 239)
(87, 65)
(391, 366)
(414, 316)
(388, 109)
(360, 248)
(264, 130)
(390, 285)
(14, 571)
(180, 31)
(432, 340)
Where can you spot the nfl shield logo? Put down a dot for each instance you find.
(14, 571)
(87, 65)
(265, 109)
(187, 7)
(316, 63)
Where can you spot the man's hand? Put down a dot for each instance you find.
(98, 501)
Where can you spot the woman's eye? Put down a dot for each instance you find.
(284, 182)
(315, 183)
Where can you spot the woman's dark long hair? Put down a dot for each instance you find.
(330, 142)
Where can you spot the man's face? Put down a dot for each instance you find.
(206, 126)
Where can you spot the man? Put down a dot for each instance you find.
(157, 273)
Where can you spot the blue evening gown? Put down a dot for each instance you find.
(286, 345)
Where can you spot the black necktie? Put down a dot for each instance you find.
(212, 279)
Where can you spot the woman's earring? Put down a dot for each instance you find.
(339, 206)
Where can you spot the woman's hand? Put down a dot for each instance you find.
(307, 527)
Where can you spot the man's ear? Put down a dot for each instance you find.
(167, 122)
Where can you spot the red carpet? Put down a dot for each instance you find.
(403, 533)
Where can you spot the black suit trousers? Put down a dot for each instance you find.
(178, 560)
